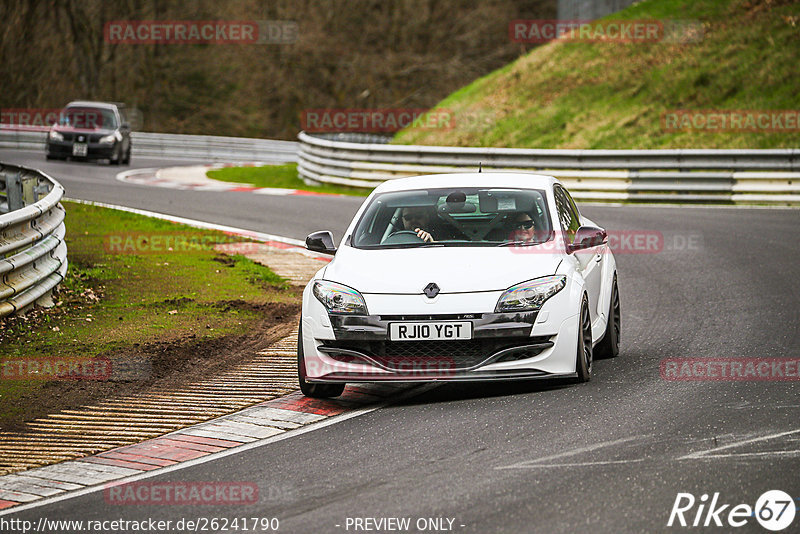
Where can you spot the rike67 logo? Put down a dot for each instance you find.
(774, 510)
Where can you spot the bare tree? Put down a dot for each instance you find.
(349, 53)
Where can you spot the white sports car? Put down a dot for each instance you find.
(483, 276)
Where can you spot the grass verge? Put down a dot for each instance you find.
(135, 283)
(278, 176)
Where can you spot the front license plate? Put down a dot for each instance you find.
(430, 331)
(80, 149)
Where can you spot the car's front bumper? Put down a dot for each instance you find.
(480, 376)
(504, 346)
(63, 149)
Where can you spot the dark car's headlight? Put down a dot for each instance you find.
(109, 139)
(338, 298)
(55, 136)
(530, 295)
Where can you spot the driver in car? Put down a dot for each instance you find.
(423, 221)
(417, 220)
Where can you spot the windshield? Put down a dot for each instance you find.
(88, 118)
(454, 217)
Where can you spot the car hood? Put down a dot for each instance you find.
(453, 269)
(70, 129)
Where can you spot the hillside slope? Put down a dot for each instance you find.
(616, 95)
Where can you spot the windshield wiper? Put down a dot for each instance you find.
(520, 243)
(465, 243)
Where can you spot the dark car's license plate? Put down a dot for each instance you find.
(80, 149)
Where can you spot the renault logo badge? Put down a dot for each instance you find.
(431, 290)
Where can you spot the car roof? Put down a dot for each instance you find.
(472, 179)
(91, 104)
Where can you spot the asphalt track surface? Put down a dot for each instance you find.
(607, 456)
(276, 215)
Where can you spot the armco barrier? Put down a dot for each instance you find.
(676, 176)
(364, 160)
(173, 146)
(33, 254)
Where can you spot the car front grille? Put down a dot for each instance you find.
(91, 138)
(432, 355)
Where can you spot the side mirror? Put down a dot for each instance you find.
(587, 237)
(321, 242)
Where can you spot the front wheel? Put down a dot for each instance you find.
(319, 391)
(609, 345)
(116, 158)
(583, 357)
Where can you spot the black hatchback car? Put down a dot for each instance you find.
(91, 130)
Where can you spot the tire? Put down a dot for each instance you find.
(116, 160)
(583, 357)
(318, 391)
(609, 345)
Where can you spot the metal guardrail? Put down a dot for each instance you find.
(364, 160)
(33, 254)
(174, 146)
(677, 175)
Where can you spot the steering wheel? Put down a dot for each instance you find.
(402, 237)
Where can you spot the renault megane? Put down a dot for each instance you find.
(460, 277)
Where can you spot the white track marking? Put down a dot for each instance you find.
(572, 452)
(701, 454)
(194, 178)
(576, 464)
(788, 454)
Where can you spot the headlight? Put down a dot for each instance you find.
(530, 295)
(108, 139)
(339, 299)
(55, 136)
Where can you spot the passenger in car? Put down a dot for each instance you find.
(521, 228)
